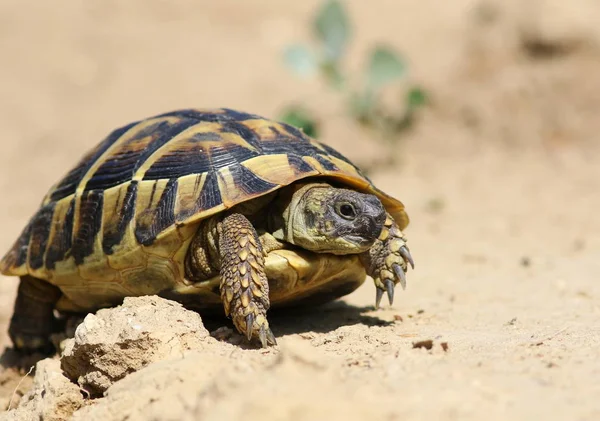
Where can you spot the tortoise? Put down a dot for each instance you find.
(215, 208)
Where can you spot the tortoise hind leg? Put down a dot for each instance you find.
(244, 285)
(33, 318)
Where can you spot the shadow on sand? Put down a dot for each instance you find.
(322, 318)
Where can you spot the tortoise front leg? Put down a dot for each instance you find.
(387, 260)
(33, 318)
(244, 285)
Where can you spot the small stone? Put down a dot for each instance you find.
(427, 344)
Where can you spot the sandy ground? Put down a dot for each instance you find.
(501, 177)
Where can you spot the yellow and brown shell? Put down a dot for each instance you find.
(134, 202)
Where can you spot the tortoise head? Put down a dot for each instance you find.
(326, 219)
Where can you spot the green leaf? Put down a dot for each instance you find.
(332, 27)
(330, 70)
(385, 67)
(301, 118)
(301, 60)
(416, 97)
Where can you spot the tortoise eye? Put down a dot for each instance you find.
(347, 211)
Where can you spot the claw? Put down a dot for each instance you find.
(249, 325)
(266, 337)
(378, 296)
(406, 254)
(271, 338)
(262, 335)
(389, 286)
(400, 274)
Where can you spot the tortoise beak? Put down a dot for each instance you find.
(368, 226)
(372, 219)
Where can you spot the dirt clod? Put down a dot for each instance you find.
(427, 344)
(118, 341)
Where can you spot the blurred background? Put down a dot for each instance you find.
(480, 115)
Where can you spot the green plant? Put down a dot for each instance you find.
(332, 29)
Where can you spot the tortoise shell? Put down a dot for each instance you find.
(134, 202)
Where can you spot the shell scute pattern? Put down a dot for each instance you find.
(61, 238)
(134, 148)
(116, 222)
(160, 217)
(87, 225)
(40, 230)
(149, 177)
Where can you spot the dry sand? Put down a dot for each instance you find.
(501, 177)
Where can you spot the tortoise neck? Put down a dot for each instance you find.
(287, 214)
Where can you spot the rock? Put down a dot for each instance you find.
(53, 397)
(118, 341)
